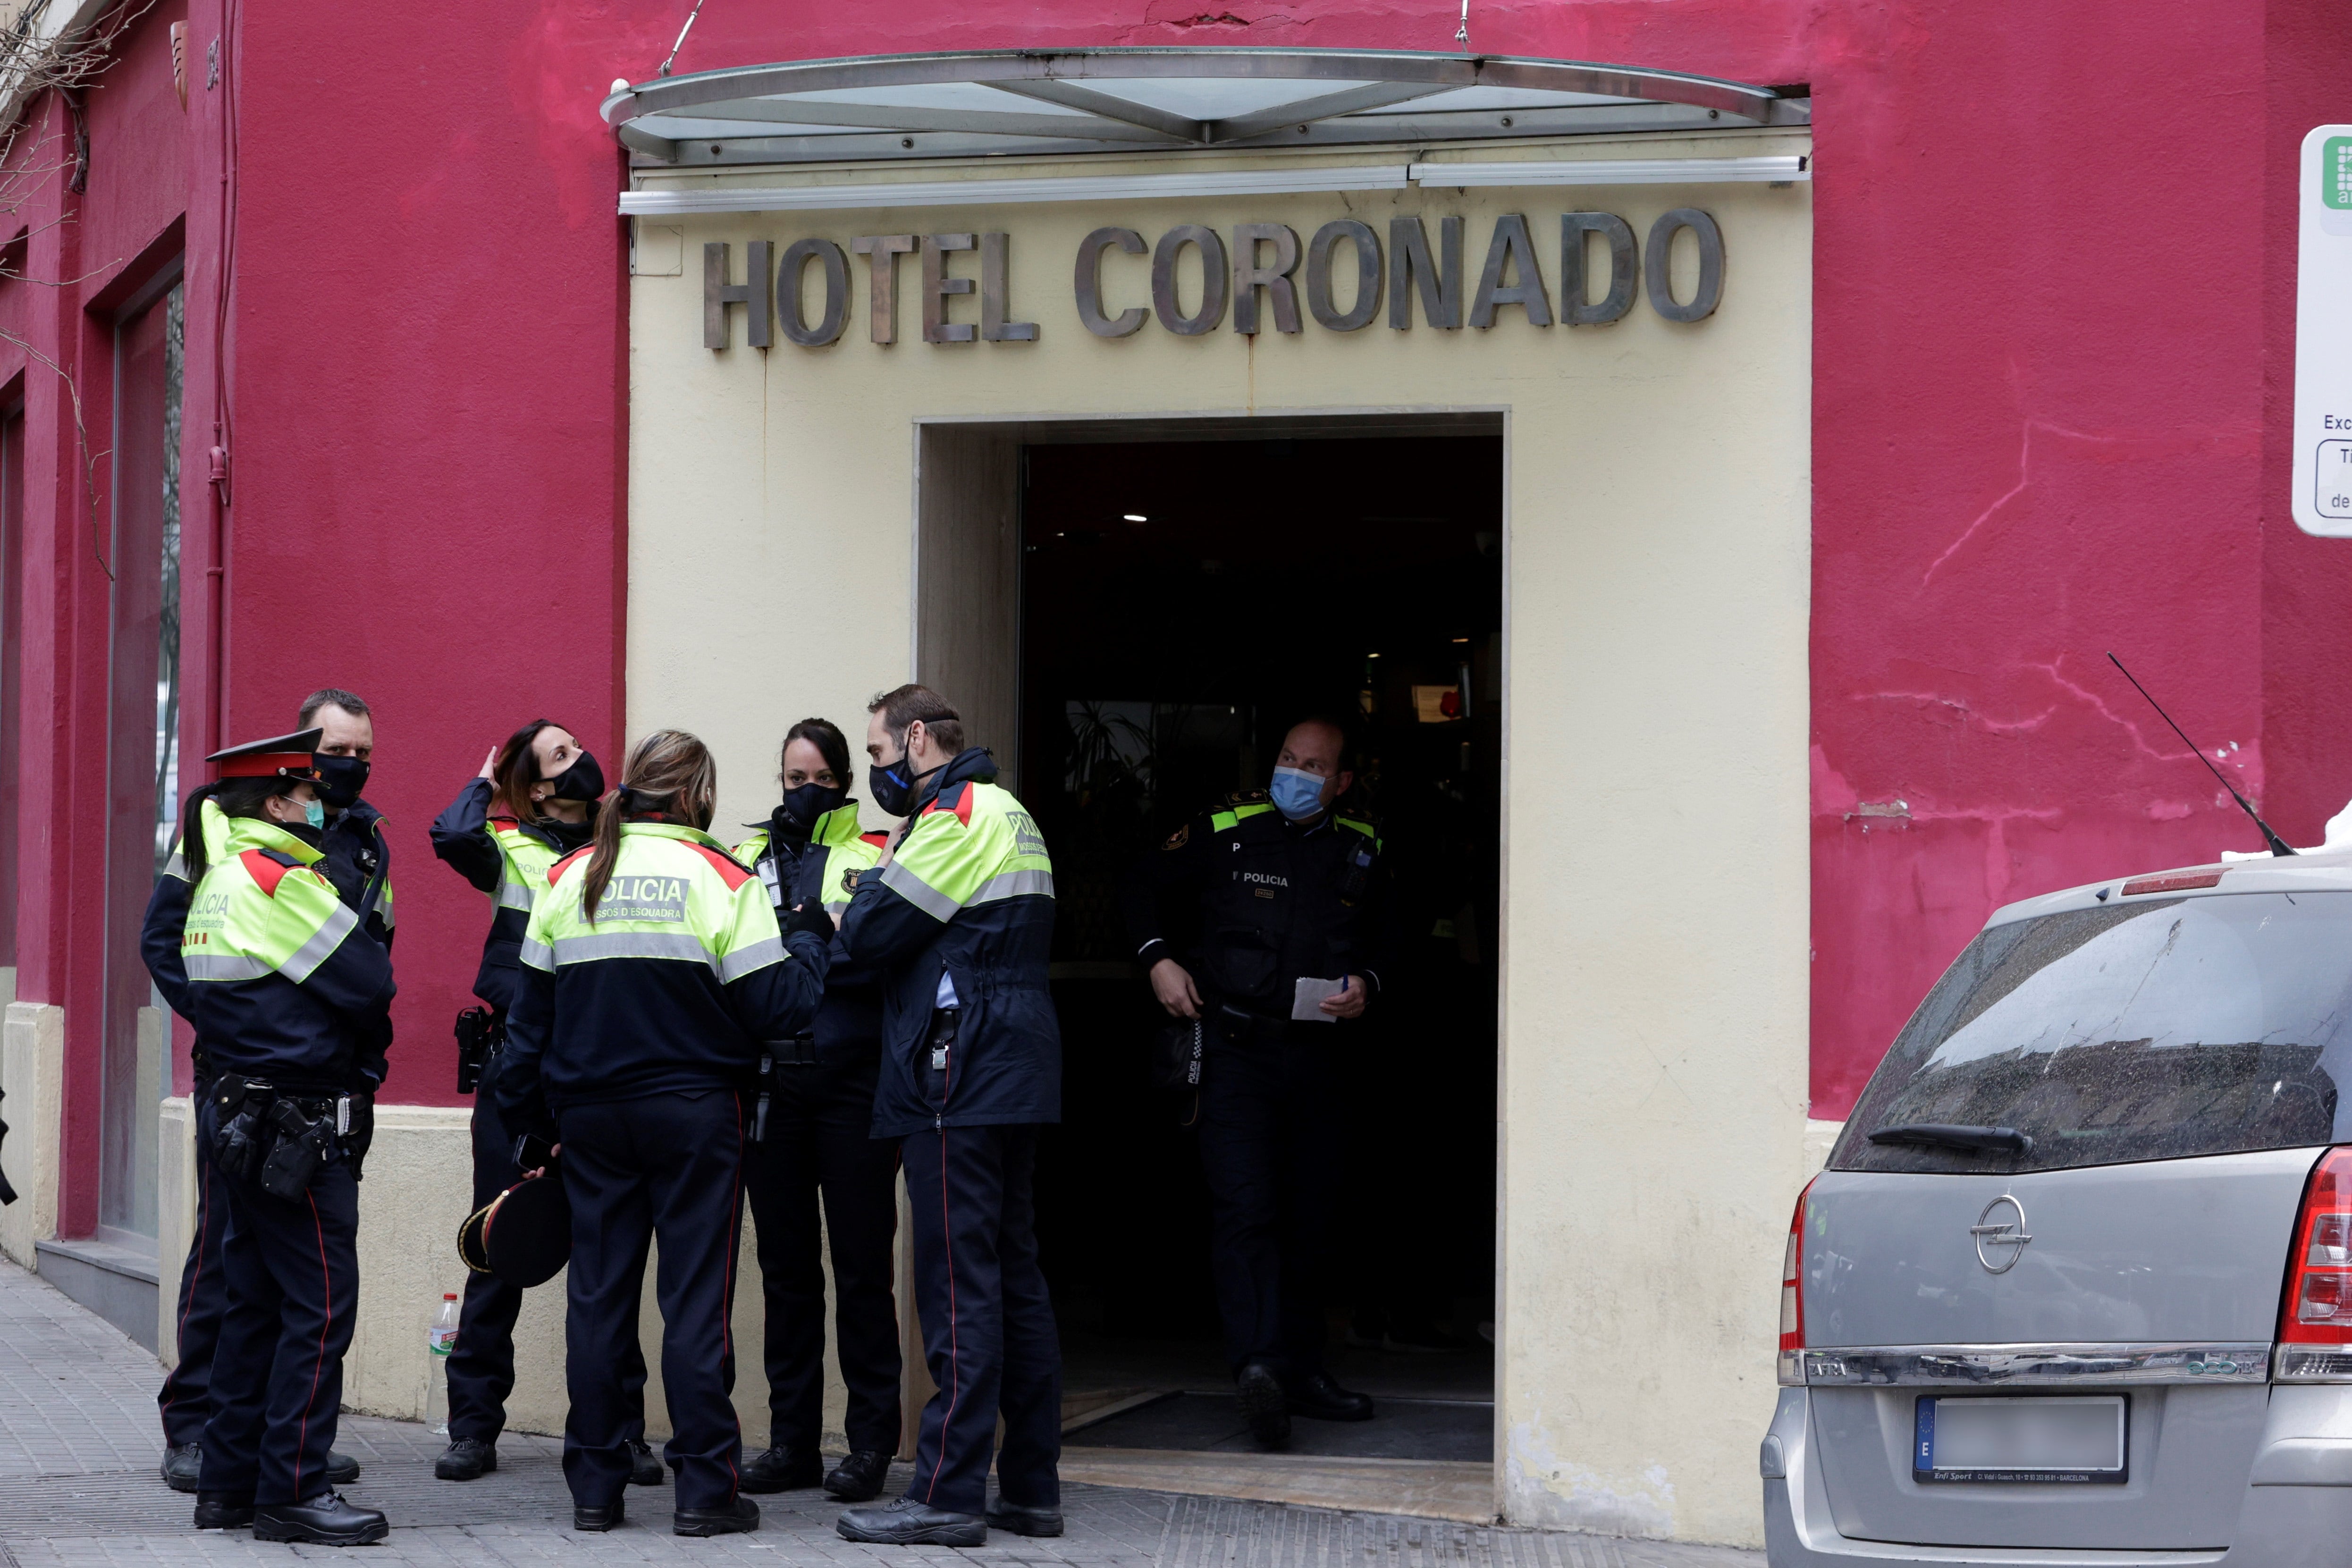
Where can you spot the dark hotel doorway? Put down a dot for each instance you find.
(1181, 602)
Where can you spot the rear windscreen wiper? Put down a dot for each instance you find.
(1942, 1135)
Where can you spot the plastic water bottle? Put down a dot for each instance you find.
(439, 1341)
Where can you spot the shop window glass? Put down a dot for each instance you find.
(143, 743)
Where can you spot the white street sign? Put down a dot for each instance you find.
(2323, 335)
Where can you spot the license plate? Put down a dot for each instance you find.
(2078, 1440)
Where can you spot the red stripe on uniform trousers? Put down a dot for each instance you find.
(955, 1363)
(188, 1293)
(319, 1367)
(734, 1245)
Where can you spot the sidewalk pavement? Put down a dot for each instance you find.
(79, 1488)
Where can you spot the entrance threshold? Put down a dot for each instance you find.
(1455, 1490)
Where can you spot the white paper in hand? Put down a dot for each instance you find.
(1303, 1006)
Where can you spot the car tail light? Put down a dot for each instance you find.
(2315, 1317)
(1793, 1298)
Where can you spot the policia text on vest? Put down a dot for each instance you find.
(637, 1021)
(1263, 272)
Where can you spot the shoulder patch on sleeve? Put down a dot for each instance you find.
(556, 870)
(730, 870)
(1178, 839)
(960, 810)
(879, 838)
(268, 868)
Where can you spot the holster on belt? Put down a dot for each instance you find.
(776, 1059)
(278, 1139)
(480, 1035)
(939, 1048)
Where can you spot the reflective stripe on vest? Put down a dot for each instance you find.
(987, 849)
(240, 929)
(674, 895)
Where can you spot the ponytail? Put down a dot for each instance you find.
(233, 797)
(193, 861)
(608, 841)
(670, 776)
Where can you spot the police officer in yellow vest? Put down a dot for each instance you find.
(355, 857)
(654, 978)
(816, 1141)
(958, 918)
(528, 810)
(289, 996)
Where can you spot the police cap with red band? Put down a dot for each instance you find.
(280, 756)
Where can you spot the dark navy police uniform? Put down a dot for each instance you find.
(356, 860)
(508, 860)
(961, 926)
(1262, 902)
(289, 998)
(820, 1147)
(631, 1042)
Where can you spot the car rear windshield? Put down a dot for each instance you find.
(2154, 1030)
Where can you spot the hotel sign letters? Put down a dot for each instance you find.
(1257, 276)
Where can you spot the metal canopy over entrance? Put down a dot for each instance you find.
(1063, 101)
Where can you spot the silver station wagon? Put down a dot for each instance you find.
(2076, 1285)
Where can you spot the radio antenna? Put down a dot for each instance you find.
(2278, 846)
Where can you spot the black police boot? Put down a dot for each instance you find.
(466, 1459)
(645, 1464)
(341, 1469)
(859, 1477)
(224, 1510)
(598, 1519)
(181, 1463)
(324, 1521)
(1021, 1521)
(911, 1523)
(1263, 1405)
(1318, 1398)
(786, 1469)
(735, 1519)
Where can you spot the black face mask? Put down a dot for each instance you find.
(893, 787)
(584, 780)
(340, 779)
(804, 805)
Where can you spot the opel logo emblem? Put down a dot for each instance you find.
(2000, 1233)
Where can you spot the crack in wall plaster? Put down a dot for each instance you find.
(2209, 442)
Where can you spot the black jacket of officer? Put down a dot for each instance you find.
(1251, 902)
(493, 853)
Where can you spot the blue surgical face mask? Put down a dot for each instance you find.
(313, 814)
(1297, 793)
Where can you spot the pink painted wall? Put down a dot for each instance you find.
(429, 387)
(2051, 346)
(2047, 338)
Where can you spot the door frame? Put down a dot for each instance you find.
(966, 519)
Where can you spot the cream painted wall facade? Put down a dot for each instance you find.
(1653, 1056)
(32, 1069)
